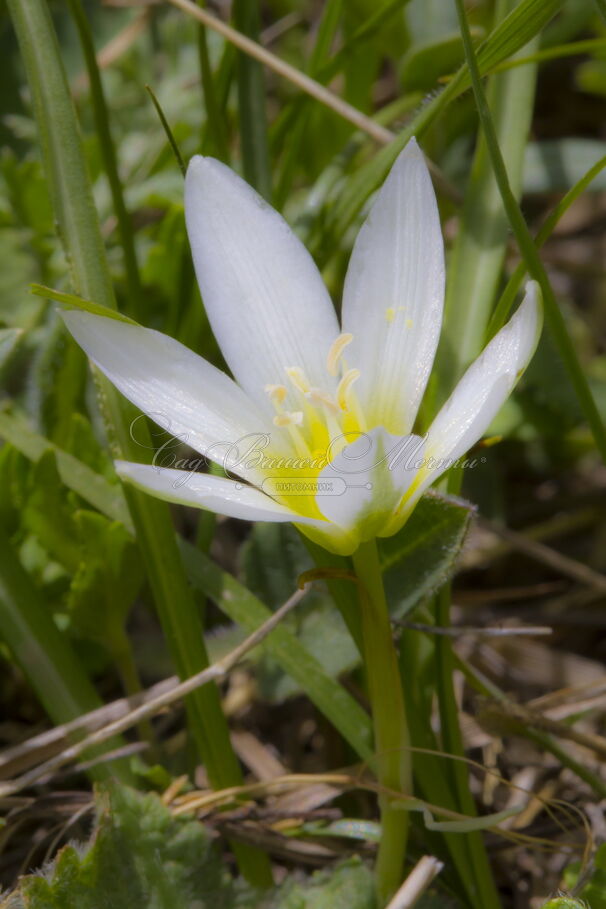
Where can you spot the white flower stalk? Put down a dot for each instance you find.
(316, 425)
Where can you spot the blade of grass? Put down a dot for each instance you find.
(296, 115)
(214, 140)
(251, 102)
(108, 153)
(553, 316)
(80, 233)
(553, 53)
(168, 131)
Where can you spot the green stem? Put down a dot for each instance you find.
(392, 743)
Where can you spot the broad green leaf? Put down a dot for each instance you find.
(93, 488)
(140, 857)
(106, 582)
(249, 612)
(59, 377)
(46, 514)
(422, 556)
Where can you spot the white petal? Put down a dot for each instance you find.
(265, 299)
(488, 382)
(394, 294)
(476, 400)
(191, 399)
(363, 484)
(200, 490)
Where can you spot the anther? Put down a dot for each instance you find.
(277, 393)
(336, 349)
(289, 418)
(317, 396)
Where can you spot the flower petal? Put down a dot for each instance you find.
(201, 490)
(265, 299)
(394, 295)
(488, 382)
(476, 400)
(188, 397)
(367, 479)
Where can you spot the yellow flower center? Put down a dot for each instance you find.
(319, 422)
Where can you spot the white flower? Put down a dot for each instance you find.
(316, 425)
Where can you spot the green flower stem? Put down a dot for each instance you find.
(392, 743)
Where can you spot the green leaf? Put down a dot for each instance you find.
(422, 556)
(107, 580)
(243, 607)
(73, 301)
(140, 857)
(47, 515)
(92, 487)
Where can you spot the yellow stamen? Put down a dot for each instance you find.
(298, 379)
(344, 387)
(276, 393)
(336, 349)
(317, 396)
(409, 323)
(390, 314)
(289, 418)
